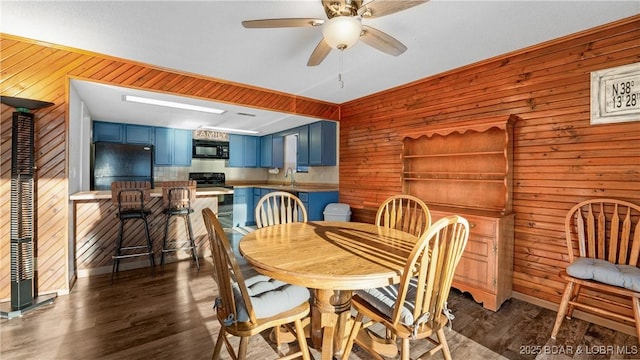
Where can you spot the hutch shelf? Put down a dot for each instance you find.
(465, 168)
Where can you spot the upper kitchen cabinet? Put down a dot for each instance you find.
(138, 134)
(182, 147)
(172, 147)
(122, 133)
(244, 150)
(272, 151)
(107, 131)
(303, 146)
(322, 143)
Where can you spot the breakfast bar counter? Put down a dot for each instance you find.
(95, 229)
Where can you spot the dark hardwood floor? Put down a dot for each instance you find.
(170, 316)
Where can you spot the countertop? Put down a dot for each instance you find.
(287, 187)
(213, 191)
(155, 192)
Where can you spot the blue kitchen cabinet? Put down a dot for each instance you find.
(278, 152)
(257, 194)
(243, 207)
(163, 146)
(322, 143)
(138, 134)
(315, 202)
(108, 131)
(272, 151)
(172, 147)
(182, 147)
(303, 146)
(244, 151)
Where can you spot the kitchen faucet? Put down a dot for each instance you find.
(286, 174)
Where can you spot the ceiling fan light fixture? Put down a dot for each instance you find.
(342, 32)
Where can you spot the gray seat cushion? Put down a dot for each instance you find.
(625, 276)
(384, 299)
(269, 297)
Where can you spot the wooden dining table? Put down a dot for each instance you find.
(332, 258)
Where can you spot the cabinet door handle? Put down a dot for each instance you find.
(472, 225)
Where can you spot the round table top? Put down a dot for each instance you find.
(329, 254)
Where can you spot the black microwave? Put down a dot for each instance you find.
(203, 149)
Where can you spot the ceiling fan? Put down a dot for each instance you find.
(344, 26)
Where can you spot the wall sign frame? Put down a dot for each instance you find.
(615, 94)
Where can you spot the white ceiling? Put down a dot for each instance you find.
(206, 37)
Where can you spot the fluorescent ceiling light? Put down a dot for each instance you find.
(229, 130)
(172, 104)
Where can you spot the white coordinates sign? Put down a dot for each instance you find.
(615, 94)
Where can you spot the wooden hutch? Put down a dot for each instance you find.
(465, 168)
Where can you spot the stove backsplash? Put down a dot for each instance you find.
(170, 173)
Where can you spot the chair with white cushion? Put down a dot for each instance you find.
(246, 307)
(417, 307)
(603, 244)
(279, 207)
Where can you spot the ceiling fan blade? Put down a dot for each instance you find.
(280, 23)
(378, 8)
(382, 41)
(319, 53)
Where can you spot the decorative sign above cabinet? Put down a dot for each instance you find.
(200, 134)
(615, 94)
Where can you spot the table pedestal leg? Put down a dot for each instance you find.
(330, 314)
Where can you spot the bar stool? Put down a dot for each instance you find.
(130, 197)
(177, 196)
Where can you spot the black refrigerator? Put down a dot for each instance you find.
(120, 162)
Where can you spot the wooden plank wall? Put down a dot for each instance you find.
(36, 70)
(559, 159)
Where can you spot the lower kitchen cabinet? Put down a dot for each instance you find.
(243, 206)
(246, 199)
(316, 201)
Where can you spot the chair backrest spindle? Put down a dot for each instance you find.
(279, 207)
(606, 229)
(404, 212)
(430, 268)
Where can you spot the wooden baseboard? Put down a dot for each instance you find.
(611, 324)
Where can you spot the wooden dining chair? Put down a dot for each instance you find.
(246, 307)
(279, 207)
(417, 307)
(603, 244)
(404, 212)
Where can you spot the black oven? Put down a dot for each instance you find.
(225, 202)
(203, 149)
